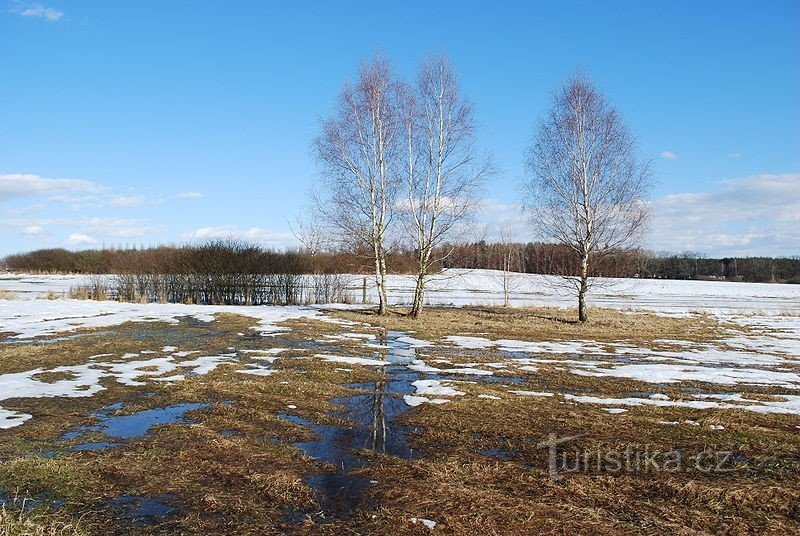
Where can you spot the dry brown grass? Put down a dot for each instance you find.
(535, 324)
(18, 523)
(246, 483)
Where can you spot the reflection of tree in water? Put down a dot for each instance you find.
(373, 414)
(379, 418)
(367, 422)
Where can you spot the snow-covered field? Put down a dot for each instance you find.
(25, 319)
(768, 354)
(484, 287)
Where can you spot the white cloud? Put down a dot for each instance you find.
(756, 215)
(122, 201)
(112, 228)
(18, 185)
(668, 155)
(95, 229)
(734, 156)
(751, 216)
(501, 221)
(23, 211)
(267, 237)
(36, 11)
(33, 230)
(77, 239)
(190, 195)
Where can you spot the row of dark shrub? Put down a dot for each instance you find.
(216, 289)
(215, 257)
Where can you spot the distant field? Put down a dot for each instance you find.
(484, 287)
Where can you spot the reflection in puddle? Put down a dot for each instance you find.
(371, 414)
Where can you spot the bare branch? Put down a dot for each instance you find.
(586, 188)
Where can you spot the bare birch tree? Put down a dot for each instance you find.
(356, 148)
(509, 265)
(442, 168)
(587, 188)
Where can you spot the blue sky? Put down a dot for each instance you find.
(157, 122)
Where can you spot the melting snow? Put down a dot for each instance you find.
(352, 360)
(414, 401)
(84, 380)
(427, 522)
(10, 419)
(434, 387)
(790, 404)
(669, 373)
(37, 318)
(530, 393)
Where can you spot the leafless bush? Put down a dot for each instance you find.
(94, 287)
(231, 289)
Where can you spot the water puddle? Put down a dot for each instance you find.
(27, 504)
(131, 426)
(43, 341)
(100, 445)
(143, 511)
(499, 453)
(371, 415)
(188, 332)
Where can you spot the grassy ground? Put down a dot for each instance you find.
(544, 324)
(234, 469)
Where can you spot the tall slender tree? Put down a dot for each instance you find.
(442, 169)
(586, 188)
(356, 149)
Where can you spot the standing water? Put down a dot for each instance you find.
(373, 412)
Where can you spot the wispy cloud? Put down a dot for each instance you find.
(734, 156)
(750, 216)
(85, 231)
(36, 11)
(23, 211)
(33, 230)
(190, 195)
(266, 237)
(756, 215)
(123, 201)
(18, 185)
(668, 155)
(79, 239)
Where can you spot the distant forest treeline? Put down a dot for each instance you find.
(230, 257)
(538, 258)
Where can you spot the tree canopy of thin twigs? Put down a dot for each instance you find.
(586, 188)
(442, 171)
(393, 152)
(356, 150)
